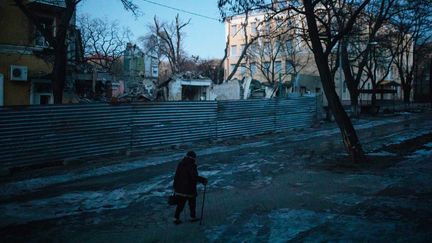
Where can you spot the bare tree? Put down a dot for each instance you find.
(58, 42)
(324, 32)
(412, 31)
(266, 57)
(167, 40)
(209, 68)
(103, 41)
(355, 48)
(278, 48)
(266, 45)
(380, 64)
(322, 47)
(243, 7)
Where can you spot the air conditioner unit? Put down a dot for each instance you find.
(18, 73)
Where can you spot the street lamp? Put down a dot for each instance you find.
(373, 44)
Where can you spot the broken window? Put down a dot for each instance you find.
(278, 67)
(254, 29)
(289, 46)
(267, 47)
(266, 67)
(267, 28)
(253, 48)
(253, 68)
(190, 93)
(155, 71)
(233, 30)
(243, 69)
(242, 47)
(48, 26)
(289, 67)
(232, 66)
(233, 50)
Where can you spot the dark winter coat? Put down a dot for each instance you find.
(186, 178)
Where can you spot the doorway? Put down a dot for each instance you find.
(42, 92)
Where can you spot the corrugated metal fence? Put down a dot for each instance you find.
(44, 134)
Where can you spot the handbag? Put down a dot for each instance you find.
(172, 200)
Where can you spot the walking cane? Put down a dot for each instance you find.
(202, 207)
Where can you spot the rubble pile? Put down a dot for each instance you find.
(140, 91)
(188, 75)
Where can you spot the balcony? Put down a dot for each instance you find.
(55, 3)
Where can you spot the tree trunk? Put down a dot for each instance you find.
(349, 136)
(349, 79)
(354, 104)
(373, 100)
(59, 72)
(406, 94)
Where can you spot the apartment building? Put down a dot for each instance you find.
(280, 55)
(138, 64)
(276, 54)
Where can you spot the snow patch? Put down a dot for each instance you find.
(83, 201)
(428, 145)
(20, 187)
(286, 224)
(262, 181)
(346, 199)
(382, 153)
(279, 225)
(420, 153)
(209, 173)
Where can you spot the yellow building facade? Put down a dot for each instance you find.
(22, 64)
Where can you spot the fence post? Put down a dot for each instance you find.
(131, 128)
(217, 120)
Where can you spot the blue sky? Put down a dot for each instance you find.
(204, 37)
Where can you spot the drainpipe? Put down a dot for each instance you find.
(280, 85)
(1, 90)
(94, 81)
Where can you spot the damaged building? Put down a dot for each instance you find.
(134, 78)
(186, 87)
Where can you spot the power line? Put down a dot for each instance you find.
(181, 10)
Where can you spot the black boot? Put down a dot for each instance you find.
(177, 221)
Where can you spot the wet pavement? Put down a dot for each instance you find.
(294, 186)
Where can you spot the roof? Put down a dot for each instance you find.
(195, 82)
(57, 3)
(389, 83)
(378, 91)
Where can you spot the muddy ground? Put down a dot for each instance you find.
(293, 186)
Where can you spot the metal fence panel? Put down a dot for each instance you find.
(245, 117)
(45, 134)
(40, 134)
(164, 123)
(252, 117)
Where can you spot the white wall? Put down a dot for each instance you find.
(174, 90)
(227, 91)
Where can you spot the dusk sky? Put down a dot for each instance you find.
(204, 36)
